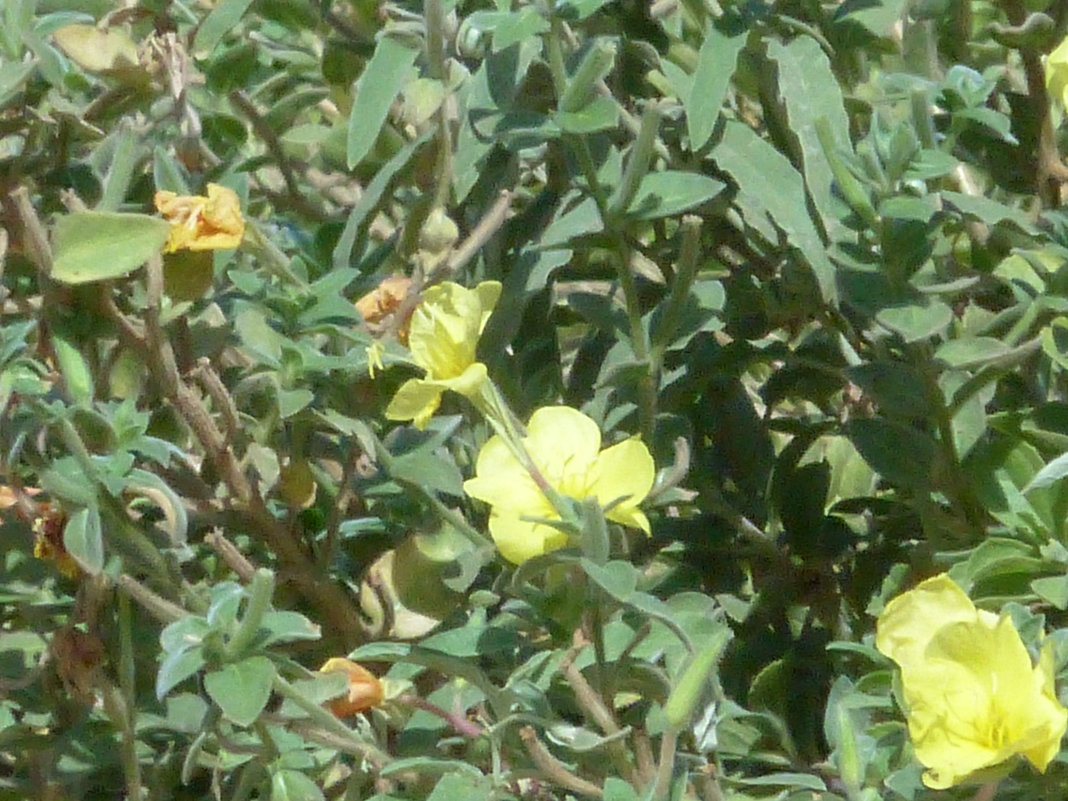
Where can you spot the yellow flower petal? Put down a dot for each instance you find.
(498, 474)
(416, 400)
(444, 331)
(906, 624)
(469, 382)
(519, 540)
(563, 442)
(623, 471)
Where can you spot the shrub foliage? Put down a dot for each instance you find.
(290, 290)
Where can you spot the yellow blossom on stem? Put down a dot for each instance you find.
(214, 222)
(442, 337)
(974, 698)
(1057, 72)
(364, 690)
(564, 446)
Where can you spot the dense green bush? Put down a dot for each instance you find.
(302, 300)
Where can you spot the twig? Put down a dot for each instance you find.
(35, 236)
(1051, 171)
(274, 147)
(213, 385)
(552, 768)
(160, 608)
(666, 769)
(491, 222)
(462, 725)
(591, 704)
(234, 559)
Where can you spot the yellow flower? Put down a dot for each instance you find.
(364, 691)
(974, 698)
(565, 447)
(442, 337)
(1057, 72)
(202, 223)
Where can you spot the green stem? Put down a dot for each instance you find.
(260, 590)
(120, 714)
(685, 274)
(450, 516)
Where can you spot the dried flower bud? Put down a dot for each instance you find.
(365, 690)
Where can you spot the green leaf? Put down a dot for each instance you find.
(177, 667)
(12, 77)
(899, 389)
(989, 211)
(899, 453)
(970, 352)
(286, 626)
(793, 780)
(95, 246)
(382, 79)
(1050, 474)
(84, 540)
(291, 401)
(291, 785)
(616, 789)
(465, 786)
(599, 114)
(581, 220)
(1053, 590)
(810, 91)
(217, 24)
(242, 689)
(703, 96)
(769, 185)
(618, 578)
(916, 322)
(370, 199)
(662, 194)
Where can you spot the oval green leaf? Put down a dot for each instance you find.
(92, 246)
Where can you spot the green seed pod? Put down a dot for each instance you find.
(683, 700)
(595, 65)
(852, 190)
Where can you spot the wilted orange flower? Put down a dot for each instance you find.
(365, 690)
(384, 300)
(48, 540)
(202, 223)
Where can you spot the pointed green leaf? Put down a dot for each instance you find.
(662, 194)
(769, 185)
(383, 78)
(810, 91)
(704, 95)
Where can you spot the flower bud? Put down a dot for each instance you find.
(364, 691)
